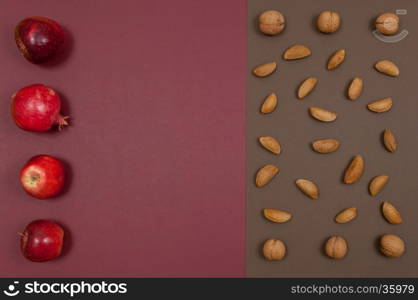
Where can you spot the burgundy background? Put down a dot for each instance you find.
(156, 145)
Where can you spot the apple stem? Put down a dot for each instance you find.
(21, 234)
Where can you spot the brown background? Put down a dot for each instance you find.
(358, 129)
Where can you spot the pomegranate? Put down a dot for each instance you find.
(39, 39)
(37, 108)
(43, 176)
(42, 240)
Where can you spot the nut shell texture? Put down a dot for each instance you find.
(274, 249)
(392, 245)
(271, 22)
(336, 247)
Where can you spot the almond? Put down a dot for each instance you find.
(392, 245)
(322, 114)
(265, 175)
(306, 87)
(346, 215)
(391, 214)
(269, 104)
(270, 143)
(265, 70)
(381, 105)
(389, 140)
(297, 52)
(308, 188)
(387, 67)
(354, 170)
(325, 146)
(336, 59)
(277, 215)
(355, 88)
(377, 184)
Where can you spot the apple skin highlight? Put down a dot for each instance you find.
(42, 241)
(43, 176)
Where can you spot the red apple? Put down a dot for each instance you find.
(39, 39)
(43, 176)
(42, 240)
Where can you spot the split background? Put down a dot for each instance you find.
(163, 149)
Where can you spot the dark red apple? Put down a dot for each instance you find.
(37, 108)
(39, 39)
(42, 240)
(43, 176)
